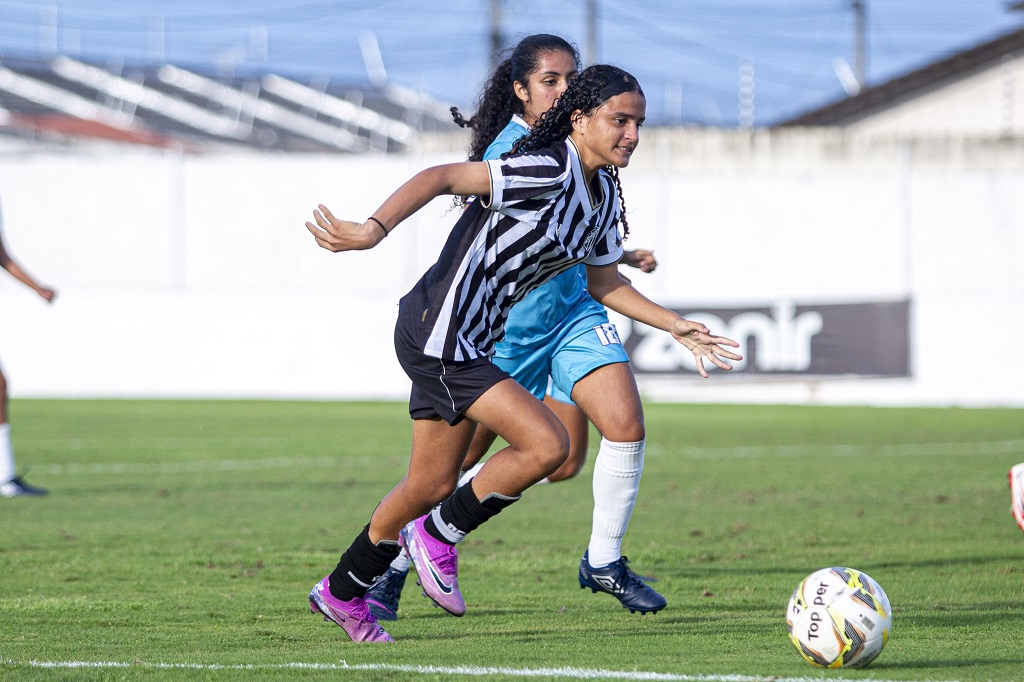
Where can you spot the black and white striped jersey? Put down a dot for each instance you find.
(540, 219)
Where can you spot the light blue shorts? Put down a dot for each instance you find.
(570, 352)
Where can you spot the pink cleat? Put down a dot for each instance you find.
(437, 565)
(353, 616)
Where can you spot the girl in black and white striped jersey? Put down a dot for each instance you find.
(539, 213)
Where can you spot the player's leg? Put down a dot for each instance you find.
(575, 423)
(434, 465)
(537, 445)
(437, 451)
(441, 393)
(537, 441)
(578, 427)
(593, 366)
(1016, 477)
(3, 397)
(529, 363)
(529, 367)
(383, 597)
(11, 485)
(7, 470)
(609, 397)
(482, 441)
(428, 479)
(572, 418)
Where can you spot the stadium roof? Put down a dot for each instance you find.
(913, 84)
(67, 100)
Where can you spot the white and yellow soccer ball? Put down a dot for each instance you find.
(839, 618)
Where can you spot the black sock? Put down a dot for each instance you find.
(362, 564)
(462, 513)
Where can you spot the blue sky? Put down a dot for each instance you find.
(687, 53)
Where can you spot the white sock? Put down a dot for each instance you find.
(7, 471)
(617, 472)
(468, 476)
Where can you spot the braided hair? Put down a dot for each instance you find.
(498, 101)
(594, 86)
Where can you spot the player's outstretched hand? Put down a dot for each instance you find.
(337, 235)
(47, 293)
(702, 344)
(642, 259)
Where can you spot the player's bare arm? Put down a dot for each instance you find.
(613, 291)
(334, 234)
(11, 266)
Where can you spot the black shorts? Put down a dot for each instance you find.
(443, 388)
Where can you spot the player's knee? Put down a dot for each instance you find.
(626, 426)
(625, 431)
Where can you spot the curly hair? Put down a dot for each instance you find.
(498, 101)
(594, 86)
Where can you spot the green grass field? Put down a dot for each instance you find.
(180, 540)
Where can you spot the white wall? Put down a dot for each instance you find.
(193, 276)
(990, 102)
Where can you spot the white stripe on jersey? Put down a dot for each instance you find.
(539, 221)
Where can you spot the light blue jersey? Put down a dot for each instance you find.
(557, 330)
(508, 136)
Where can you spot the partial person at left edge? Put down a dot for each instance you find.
(11, 484)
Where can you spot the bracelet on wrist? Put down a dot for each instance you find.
(379, 224)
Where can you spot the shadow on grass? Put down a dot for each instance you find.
(944, 615)
(699, 570)
(932, 664)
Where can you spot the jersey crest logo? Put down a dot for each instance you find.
(589, 239)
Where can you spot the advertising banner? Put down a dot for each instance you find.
(868, 339)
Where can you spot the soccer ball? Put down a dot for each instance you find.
(839, 618)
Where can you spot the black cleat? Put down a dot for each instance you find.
(617, 580)
(16, 487)
(383, 597)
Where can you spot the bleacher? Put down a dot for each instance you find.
(71, 102)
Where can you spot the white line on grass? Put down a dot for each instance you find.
(462, 670)
(198, 466)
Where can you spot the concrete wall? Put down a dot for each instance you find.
(193, 276)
